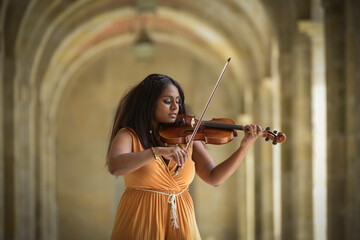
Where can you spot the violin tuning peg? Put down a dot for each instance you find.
(267, 139)
(274, 142)
(267, 129)
(275, 132)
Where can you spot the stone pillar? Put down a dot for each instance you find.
(315, 30)
(246, 193)
(335, 29)
(343, 76)
(352, 73)
(286, 174)
(16, 208)
(2, 101)
(264, 161)
(301, 139)
(48, 199)
(25, 166)
(272, 86)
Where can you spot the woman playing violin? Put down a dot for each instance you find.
(156, 203)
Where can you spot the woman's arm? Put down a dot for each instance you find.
(121, 160)
(214, 174)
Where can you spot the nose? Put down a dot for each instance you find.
(174, 106)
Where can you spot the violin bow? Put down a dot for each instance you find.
(204, 111)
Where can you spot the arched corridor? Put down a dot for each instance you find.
(65, 65)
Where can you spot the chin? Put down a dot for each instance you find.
(171, 120)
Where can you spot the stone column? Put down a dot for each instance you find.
(246, 193)
(302, 139)
(2, 100)
(343, 77)
(315, 30)
(17, 206)
(264, 161)
(286, 165)
(352, 73)
(272, 85)
(335, 74)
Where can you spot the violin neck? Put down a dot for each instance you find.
(227, 126)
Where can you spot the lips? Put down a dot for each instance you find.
(173, 115)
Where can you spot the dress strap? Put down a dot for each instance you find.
(171, 200)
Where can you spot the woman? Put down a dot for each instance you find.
(156, 203)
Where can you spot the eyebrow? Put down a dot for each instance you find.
(172, 96)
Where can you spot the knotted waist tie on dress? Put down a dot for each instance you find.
(171, 200)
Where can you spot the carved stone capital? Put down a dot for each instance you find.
(314, 29)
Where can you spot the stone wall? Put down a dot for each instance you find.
(65, 64)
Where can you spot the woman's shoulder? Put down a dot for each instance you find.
(122, 142)
(126, 133)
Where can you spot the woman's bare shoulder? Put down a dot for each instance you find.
(123, 134)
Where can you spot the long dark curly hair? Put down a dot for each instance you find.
(136, 108)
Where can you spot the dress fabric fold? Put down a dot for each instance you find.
(143, 214)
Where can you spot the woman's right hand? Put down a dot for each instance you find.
(176, 154)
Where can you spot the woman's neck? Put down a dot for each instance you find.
(155, 133)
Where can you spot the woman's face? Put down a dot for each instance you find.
(167, 106)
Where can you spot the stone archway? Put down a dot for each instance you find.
(54, 64)
(279, 56)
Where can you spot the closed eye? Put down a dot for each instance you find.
(169, 100)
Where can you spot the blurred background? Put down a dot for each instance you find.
(65, 64)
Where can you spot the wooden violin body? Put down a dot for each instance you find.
(217, 131)
(184, 127)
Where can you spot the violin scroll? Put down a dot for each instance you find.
(275, 136)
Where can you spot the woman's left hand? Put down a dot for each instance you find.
(252, 132)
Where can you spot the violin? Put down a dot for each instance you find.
(216, 131)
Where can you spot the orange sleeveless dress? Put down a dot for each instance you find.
(144, 211)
